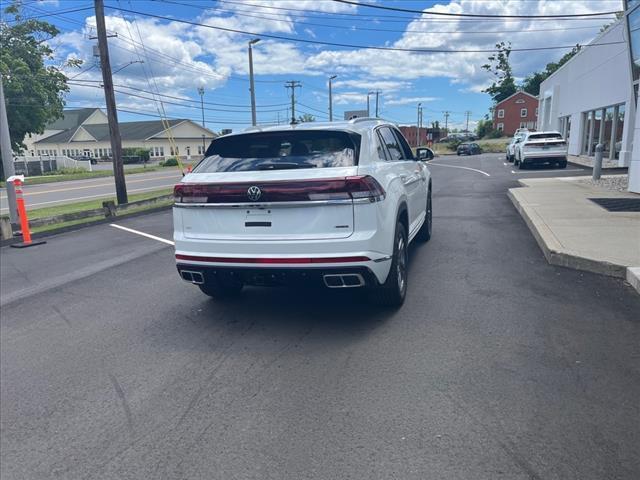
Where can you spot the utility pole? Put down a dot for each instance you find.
(7, 158)
(201, 93)
(110, 100)
(378, 92)
(467, 114)
(252, 87)
(368, 108)
(293, 84)
(446, 121)
(331, 98)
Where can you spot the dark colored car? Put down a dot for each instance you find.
(469, 149)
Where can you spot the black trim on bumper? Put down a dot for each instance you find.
(275, 277)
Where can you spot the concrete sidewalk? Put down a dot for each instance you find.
(575, 232)
(586, 161)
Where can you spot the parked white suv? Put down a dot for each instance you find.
(541, 147)
(511, 148)
(335, 204)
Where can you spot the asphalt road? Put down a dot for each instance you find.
(498, 365)
(50, 194)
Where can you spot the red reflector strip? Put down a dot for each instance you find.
(295, 260)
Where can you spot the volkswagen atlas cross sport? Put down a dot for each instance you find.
(335, 204)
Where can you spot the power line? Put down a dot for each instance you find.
(347, 45)
(284, 17)
(385, 18)
(473, 15)
(245, 107)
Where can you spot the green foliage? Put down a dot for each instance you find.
(33, 90)
(435, 124)
(170, 162)
(307, 117)
(531, 83)
(504, 85)
(67, 171)
(484, 128)
(136, 155)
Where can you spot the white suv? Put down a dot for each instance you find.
(335, 204)
(541, 147)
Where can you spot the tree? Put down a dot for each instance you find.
(33, 90)
(531, 83)
(307, 117)
(504, 85)
(435, 125)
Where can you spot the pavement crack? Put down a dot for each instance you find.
(506, 446)
(62, 315)
(123, 400)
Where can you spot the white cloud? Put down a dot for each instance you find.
(410, 100)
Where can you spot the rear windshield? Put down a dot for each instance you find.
(281, 150)
(541, 136)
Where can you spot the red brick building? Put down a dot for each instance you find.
(427, 135)
(520, 110)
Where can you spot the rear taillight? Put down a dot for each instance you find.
(349, 188)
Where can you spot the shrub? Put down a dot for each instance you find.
(170, 162)
(67, 171)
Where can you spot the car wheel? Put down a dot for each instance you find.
(393, 292)
(424, 234)
(221, 290)
(521, 165)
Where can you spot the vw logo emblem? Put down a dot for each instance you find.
(254, 193)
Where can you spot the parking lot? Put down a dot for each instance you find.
(499, 365)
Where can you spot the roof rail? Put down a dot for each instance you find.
(365, 119)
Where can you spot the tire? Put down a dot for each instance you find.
(522, 165)
(394, 290)
(424, 234)
(221, 290)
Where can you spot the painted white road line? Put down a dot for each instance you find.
(110, 184)
(557, 170)
(142, 234)
(463, 168)
(87, 197)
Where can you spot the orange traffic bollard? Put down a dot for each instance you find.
(22, 213)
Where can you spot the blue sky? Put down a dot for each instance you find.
(178, 58)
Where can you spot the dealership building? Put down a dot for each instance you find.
(590, 100)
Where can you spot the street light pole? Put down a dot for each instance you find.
(251, 85)
(201, 92)
(331, 99)
(418, 125)
(368, 108)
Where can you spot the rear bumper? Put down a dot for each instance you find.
(274, 276)
(544, 157)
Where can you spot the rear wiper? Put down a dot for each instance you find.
(284, 166)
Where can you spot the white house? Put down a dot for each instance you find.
(590, 99)
(85, 132)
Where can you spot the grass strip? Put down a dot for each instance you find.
(90, 204)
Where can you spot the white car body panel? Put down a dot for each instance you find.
(334, 229)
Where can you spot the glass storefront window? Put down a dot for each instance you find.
(634, 33)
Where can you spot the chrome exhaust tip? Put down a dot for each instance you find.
(343, 280)
(192, 276)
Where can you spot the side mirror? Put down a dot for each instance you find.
(424, 154)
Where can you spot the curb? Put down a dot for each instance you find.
(554, 254)
(79, 226)
(633, 277)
